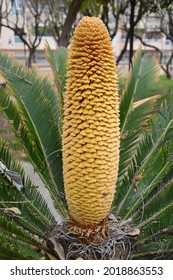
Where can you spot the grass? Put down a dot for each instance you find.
(165, 85)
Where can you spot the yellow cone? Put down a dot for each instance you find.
(91, 124)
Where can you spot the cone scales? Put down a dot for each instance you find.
(91, 124)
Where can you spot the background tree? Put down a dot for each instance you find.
(28, 21)
(132, 16)
(163, 12)
(117, 14)
(109, 11)
(62, 17)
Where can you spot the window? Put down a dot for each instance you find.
(17, 7)
(168, 42)
(44, 31)
(153, 35)
(17, 39)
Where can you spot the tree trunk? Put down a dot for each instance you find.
(168, 75)
(131, 35)
(29, 61)
(71, 16)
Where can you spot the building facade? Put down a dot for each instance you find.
(11, 42)
(148, 29)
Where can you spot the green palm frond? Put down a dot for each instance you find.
(13, 248)
(161, 248)
(145, 192)
(137, 125)
(25, 217)
(33, 113)
(160, 206)
(35, 214)
(135, 117)
(9, 227)
(153, 162)
(156, 226)
(143, 75)
(58, 63)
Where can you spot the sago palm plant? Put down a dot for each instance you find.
(83, 137)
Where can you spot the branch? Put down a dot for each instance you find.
(124, 49)
(71, 16)
(164, 68)
(149, 45)
(18, 32)
(168, 63)
(138, 18)
(120, 11)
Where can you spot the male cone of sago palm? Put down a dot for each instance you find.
(91, 124)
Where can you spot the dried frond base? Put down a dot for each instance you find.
(112, 239)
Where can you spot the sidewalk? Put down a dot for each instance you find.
(35, 178)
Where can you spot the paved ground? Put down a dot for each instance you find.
(35, 178)
(5, 132)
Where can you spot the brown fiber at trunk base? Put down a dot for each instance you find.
(91, 124)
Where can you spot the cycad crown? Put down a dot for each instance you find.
(91, 124)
